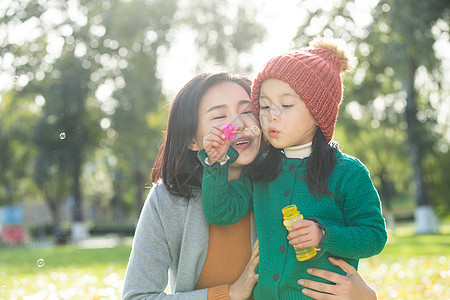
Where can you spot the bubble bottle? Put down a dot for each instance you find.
(290, 216)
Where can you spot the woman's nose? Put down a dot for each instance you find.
(239, 123)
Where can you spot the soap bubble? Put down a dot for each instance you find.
(2, 288)
(40, 263)
(62, 135)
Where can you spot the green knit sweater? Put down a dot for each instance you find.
(354, 225)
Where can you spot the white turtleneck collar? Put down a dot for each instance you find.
(301, 151)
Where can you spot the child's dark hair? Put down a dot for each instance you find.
(321, 163)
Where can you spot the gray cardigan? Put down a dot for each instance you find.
(169, 248)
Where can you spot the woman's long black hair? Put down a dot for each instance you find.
(320, 165)
(177, 165)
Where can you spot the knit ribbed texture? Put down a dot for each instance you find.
(354, 224)
(315, 76)
(218, 293)
(229, 250)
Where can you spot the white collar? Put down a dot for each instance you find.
(301, 151)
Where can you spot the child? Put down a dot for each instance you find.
(296, 97)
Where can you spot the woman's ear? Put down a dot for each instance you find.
(194, 146)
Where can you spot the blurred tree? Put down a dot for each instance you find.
(140, 29)
(437, 181)
(17, 114)
(99, 186)
(64, 133)
(42, 41)
(402, 42)
(223, 31)
(395, 43)
(94, 64)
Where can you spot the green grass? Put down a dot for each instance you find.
(410, 267)
(417, 245)
(62, 272)
(25, 260)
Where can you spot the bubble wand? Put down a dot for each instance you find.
(230, 131)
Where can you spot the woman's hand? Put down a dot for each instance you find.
(243, 287)
(215, 144)
(350, 287)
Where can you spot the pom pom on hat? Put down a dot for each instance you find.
(348, 60)
(314, 73)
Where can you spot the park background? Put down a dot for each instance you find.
(84, 92)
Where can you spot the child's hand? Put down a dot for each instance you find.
(215, 144)
(304, 234)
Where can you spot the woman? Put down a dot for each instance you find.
(174, 247)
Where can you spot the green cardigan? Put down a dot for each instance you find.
(352, 219)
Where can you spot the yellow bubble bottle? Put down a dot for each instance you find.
(290, 216)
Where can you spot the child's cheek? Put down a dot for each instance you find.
(264, 121)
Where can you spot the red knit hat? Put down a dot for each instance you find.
(314, 73)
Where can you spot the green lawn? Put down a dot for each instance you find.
(410, 267)
(63, 272)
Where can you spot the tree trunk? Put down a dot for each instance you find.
(78, 207)
(117, 199)
(79, 230)
(78, 159)
(425, 222)
(140, 184)
(54, 209)
(387, 191)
